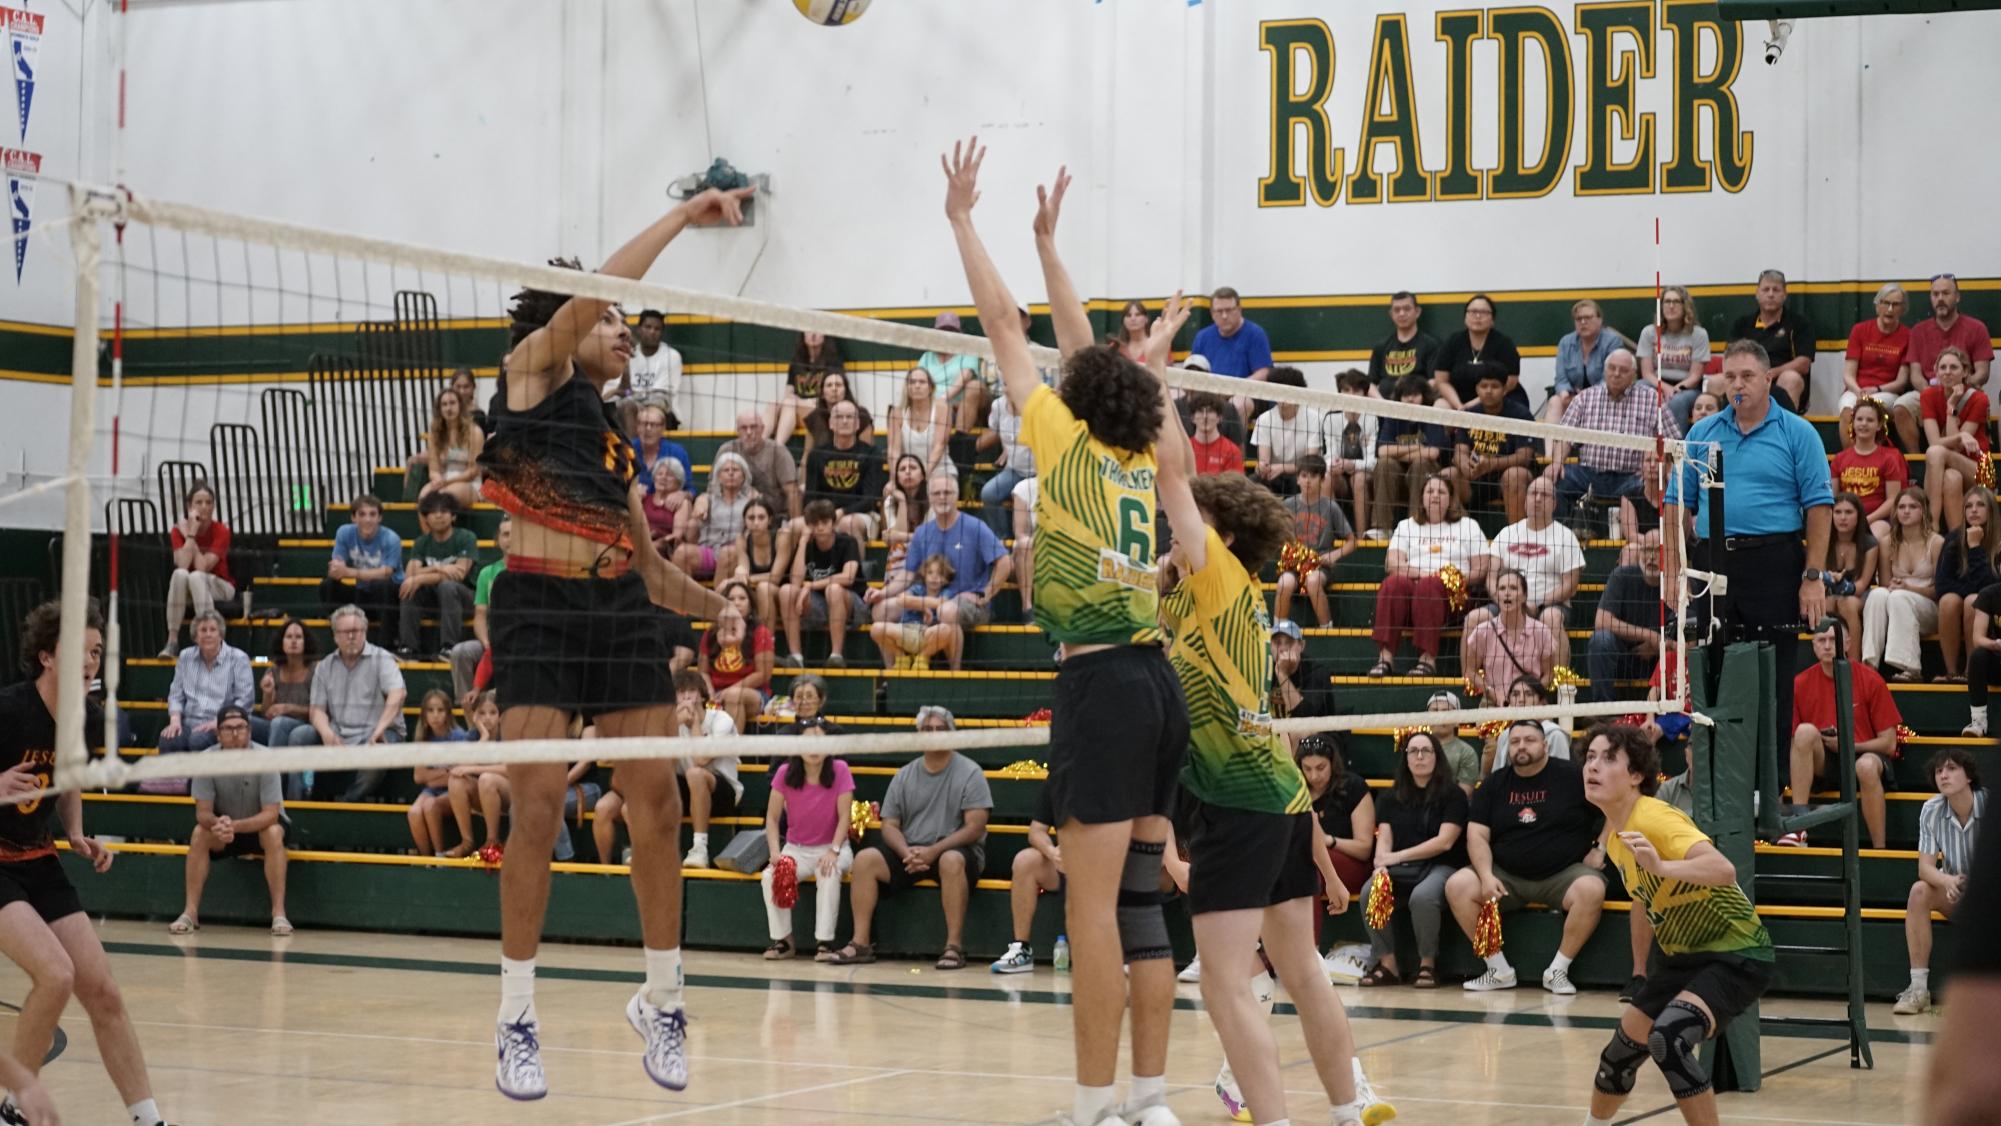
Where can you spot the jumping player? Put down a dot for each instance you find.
(42, 925)
(1118, 729)
(1253, 839)
(576, 630)
(1711, 957)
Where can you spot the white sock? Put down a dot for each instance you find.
(1288, 1121)
(1498, 962)
(663, 978)
(1092, 1103)
(1265, 991)
(1921, 979)
(144, 1113)
(1590, 1120)
(1147, 1090)
(517, 990)
(701, 841)
(1560, 962)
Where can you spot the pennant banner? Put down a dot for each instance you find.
(22, 169)
(24, 48)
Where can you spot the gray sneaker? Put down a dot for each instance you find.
(1912, 1001)
(1019, 959)
(1491, 980)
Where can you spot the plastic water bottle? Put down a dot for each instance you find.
(1062, 954)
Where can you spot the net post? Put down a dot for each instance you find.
(85, 247)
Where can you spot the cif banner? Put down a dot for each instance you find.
(22, 169)
(24, 50)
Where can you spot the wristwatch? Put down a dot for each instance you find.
(1810, 575)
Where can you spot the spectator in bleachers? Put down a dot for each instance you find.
(1948, 827)
(1551, 562)
(920, 424)
(1683, 347)
(1815, 751)
(466, 386)
(1318, 523)
(1615, 406)
(814, 356)
(1787, 338)
(1877, 363)
(427, 812)
(441, 561)
(652, 376)
(235, 816)
(1420, 822)
(1407, 453)
(1024, 546)
(1956, 442)
(1351, 449)
(1234, 346)
(201, 578)
(708, 546)
(1284, 434)
(809, 705)
(465, 656)
(1903, 606)
(666, 503)
(826, 568)
(1013, 464)
(1508, 645)
(763, 556)
(934, 826)
(1299, 687)
(1489, 465)
(1983, 659)
(848, 475)
(1945, 328)
(467, 782)
(1525, 692)
(1214, 451)
(650, 446)
(711, 786)
(1462, 761)
(1407, 350)
(1412, 595)
(358, 696)
(1531, 837)
(920, 631)
(737, 658)
(958, 383)
(287, 686)
(1705, 404)
(810, 796)
(980, 562)
(1344, 806)
(1580, 357)
(768, 464)
(1134, 324)
(367, 566)
(819, 422)
(1480, 346)
(1626, 631)
(903, 504)
(451, 451)
(208, 676)
(1852, 558)
(1871, 470)
(1037, 870)
(1966, 566)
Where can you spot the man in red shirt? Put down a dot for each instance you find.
(1214, 452)
(1928, 338)
(1876, 719)
(1876, 361)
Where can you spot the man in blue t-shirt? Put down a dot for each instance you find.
(367, 567)
(1234, 346)
(980, 562)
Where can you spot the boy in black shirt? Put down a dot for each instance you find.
(1409, 350)
(1489, 465)
(822, 591)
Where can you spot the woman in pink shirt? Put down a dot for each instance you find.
(812, 794)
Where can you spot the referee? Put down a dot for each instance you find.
(1775, 460)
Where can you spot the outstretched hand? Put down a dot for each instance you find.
(1049, 204)
(962, 177)
(716, 205)
(1166, 326)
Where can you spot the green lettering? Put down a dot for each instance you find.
(1694, 90)
(1612, 74)
(1514, 28)
(1390, 119)
(1300, 99)
(1458, 30)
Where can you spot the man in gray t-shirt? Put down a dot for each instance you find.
(934, 826)
(236, 816)
(357, 699)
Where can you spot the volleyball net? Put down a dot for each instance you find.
(856, 470)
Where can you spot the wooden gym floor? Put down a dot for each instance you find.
(343, 1028)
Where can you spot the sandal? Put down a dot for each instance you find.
(825, 952)
(1380, 670)
(1425, 979)
(854, 954)
(281, 927)
(1906, 676)
(1378, 975)
(779, 950)
(1423, 668)
(183, 925)
(952, 959)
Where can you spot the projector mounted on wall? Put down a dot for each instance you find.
(724, 175)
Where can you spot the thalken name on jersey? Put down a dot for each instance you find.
(1255, 725)
(1114, 567)
(1138, 480)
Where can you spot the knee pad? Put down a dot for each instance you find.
(1142, 927)
(1619, 1064)
(1677, 1032)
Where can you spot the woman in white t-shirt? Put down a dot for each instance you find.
(1413, 596)
(1683, 345)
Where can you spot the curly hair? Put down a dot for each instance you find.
(533, 308)
(42, 629)
(1642, 757)
(1118, 400)
(1247, 514)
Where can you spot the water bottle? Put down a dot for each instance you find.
(1062, 954)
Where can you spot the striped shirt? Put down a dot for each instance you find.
(1941, 835)
(1639, 411)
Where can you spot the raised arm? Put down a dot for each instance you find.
(1066, 312)
(990, 294)
(1172, 451)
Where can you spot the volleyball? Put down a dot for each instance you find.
(831, 13)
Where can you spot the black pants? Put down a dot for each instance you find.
(1763, 605)
(376, 597)
(1981, 668)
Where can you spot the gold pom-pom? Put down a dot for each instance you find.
(1491, 730)
(1983, 472)
(1397, 736)
(1298, 559)
(1487, 930)
(1381, 900)
(1563, 676)
(1027, 768)
(1454, 581)
(1904, 735)
(862, 816)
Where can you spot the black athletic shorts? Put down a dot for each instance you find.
(1248, 860)
(722, 799)
(592, 646)
(901, 877)
(1118, 734)
(1727, 983)
(40, 883)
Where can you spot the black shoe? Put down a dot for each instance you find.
(1633, 986)
(11, 1114)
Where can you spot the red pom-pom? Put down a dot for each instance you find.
(784, 883)
(489, 854)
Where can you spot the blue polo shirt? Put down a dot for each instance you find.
(1239, 355)
(1779, 471)
(970, 545)
(669, 449)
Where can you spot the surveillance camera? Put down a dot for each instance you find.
(1782, 31)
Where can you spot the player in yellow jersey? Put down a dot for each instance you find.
(1711, 957)
(1118, 727)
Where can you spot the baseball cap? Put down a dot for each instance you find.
(1451, 698)
(1197, 361)
(231, 711)
(1288, 628)
(948, 320)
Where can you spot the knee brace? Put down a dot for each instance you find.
(1619, 1064)
(1677, 1032)
(1142, 927)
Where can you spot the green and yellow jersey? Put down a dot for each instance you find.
(1688, 918)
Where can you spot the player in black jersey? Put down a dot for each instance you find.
(42, 925)
(578, 629)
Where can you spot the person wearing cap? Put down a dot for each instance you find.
(1299, 687)
(1232, 425)
(934, 827)
(236, 815)
(1461, 757)
(960, 380)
